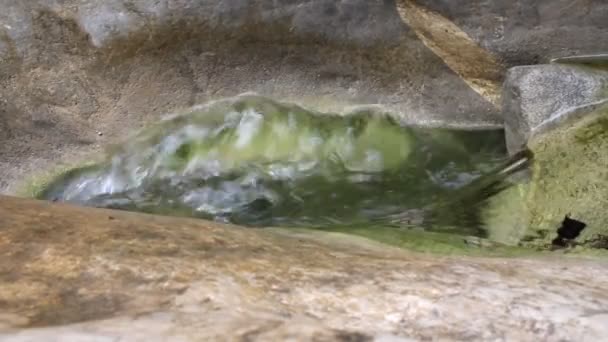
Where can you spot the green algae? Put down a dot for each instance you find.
(449, 244)
(505, 215)
(569, 176)
(422, 241)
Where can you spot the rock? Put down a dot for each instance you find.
(570, 169)
(567, 179)
(132, 61)
(536, 95)
(129, 62)
(71, 68)
(557, 111)
(530, 32)
(135, 276)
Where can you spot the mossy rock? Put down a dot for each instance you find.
(569, 177)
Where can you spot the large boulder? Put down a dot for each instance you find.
(69, 273)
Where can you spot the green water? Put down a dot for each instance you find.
(255, 162)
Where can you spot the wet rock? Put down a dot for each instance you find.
(570, 172)
(567, 178)
(570, 228)
(154, 278)
(144, 277)
(534, 96)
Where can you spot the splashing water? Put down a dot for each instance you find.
(252, 161)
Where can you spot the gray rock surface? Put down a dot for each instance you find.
(567, 177)
(598, 59)
(530, 32)
(72, 68)
(536, 95)
(134, 277)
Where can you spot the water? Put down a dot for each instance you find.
(255, 162)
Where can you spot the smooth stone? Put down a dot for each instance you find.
(567, 178)
(570, 173)
(72, 273)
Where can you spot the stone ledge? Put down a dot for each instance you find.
(88, 273)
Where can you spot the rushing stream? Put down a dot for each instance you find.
(256, 162)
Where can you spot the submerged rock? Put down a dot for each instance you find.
(91, 274)
(72, 68)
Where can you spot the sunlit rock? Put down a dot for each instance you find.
(567, 179)
(90, 275)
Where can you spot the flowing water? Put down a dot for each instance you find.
(256, 162)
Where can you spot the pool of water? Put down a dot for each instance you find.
(256, 162)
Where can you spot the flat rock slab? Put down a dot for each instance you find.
(82, 274)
